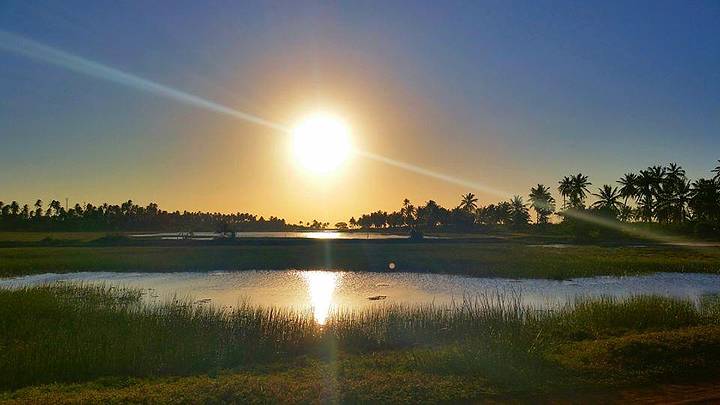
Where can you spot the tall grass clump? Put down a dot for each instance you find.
(609, 316)
(73, 333)
(395, 326)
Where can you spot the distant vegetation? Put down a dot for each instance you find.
(659, 194)
(55, 334)
(128, 216)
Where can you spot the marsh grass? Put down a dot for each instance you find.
(72, 333)
(452, 257)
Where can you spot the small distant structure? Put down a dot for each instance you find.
(415, 234)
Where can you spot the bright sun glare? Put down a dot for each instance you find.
(321, 142)
(321, 287)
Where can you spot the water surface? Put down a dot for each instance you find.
(302, 235)
(324, 291)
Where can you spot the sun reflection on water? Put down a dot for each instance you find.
(323, 235)
(321, 287)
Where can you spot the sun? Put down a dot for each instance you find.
(321, 142)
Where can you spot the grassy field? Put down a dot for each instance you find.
(96, 344)
(478, 259)
(38, 236)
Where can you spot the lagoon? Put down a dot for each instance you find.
(325, 291)
(272, 235)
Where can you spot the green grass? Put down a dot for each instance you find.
(477, 259)
(97, 344)
(6, 236)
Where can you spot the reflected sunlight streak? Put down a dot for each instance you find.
(321, 287)
(323, 235)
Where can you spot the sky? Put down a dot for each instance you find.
(502, 94)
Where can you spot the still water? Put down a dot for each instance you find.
(325, 291)
(301, 235)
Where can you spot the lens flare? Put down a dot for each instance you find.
(35, 50)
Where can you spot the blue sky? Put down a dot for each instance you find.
(506, 93)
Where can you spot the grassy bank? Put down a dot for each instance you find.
(499, 259)
(100, 345)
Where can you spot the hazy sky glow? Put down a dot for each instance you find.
(500, 94)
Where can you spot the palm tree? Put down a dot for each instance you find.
(565, 189)
(430, 214)
(674, 171)
(626, 213)
(579, 190)
(542, 202)
(55, 206)
(683, 190)
(657, 175)
(705, 200)
(629, 188)
(608, 200)
(503, 213)
(408, 213)
(468, 202)
(406, 203)
(645, 195)
(38, 208)
(716, 170)
(395, 219)
(14, 208)
(519, 211)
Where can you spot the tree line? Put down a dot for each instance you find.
(127, 216)
(659, 194)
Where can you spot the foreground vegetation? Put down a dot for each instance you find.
(98, 344)
(476, 258)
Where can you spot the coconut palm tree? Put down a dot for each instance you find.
(579, 190)
(625, 214)
(645, 195)
(542, 202)
(503, 213)
(38, 208)
(705, 200)
(468, 202)
(683, 191)
(519, 211)
(408, 213)
(14, 208)
(629, 188)
(674, 171)
(565, 189)
(657, 175)
(716, 170)
(608, 200)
